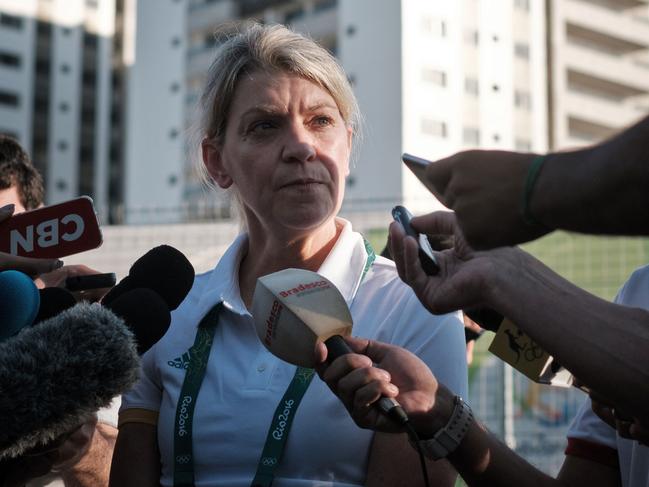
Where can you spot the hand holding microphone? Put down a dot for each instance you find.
(297, 312)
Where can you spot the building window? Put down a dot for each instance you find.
(175, 87)
(471, 86)
(434, 127)
(62, 145)
(523, 145)
(434, 76)
(12, 21)
(173, 134)
(472, 37)
(176, 41)
(92, 3)
(351, 30)
(324, 5)
(10, 60)
(495, 88)
(522, 5)
(64, 107)
(471, 136)
(65, 68)
(9, 99)
(66, 31)
(522, 50)
(433, 26)
(296, 14)
(522, 99)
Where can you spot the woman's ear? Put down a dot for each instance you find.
(214, 163)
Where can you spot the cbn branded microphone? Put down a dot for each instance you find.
(55, 375)
(53, 301)
(294, 309)
(145, 313)
(163, 269)
(19, 302)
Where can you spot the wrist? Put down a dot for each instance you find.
(447, 439)
(428, 423)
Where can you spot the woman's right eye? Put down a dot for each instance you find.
(260, 126)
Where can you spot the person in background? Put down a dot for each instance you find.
(83, 459)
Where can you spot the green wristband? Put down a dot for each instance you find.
(532, 175)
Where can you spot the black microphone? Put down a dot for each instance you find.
(337, 347)
(145, 313)
(163, 269)
(55, 375)
(53, 301)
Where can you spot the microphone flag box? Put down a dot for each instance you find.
(293, 309)
(521, 352)
(53, 231)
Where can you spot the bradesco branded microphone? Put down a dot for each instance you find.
(145, 313)
(163, 269)
(294, 309)
(52, 231)
(19, 302)
(510, 343)
(55, 375)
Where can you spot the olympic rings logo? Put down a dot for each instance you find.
(269, 461)
(183, 459)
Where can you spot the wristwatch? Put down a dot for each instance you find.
(447, 439)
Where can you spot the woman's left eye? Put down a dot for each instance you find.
(322, 121)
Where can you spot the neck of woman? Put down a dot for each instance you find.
(267, 254)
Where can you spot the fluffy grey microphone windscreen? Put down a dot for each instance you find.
(54, 375)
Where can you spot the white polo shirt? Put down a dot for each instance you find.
(590, 437)
(244, 383)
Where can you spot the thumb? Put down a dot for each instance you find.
(439, 174)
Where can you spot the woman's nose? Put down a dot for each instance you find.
(299, 144)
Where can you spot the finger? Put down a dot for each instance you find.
(348, 386)
(414, 274)
(368, 394)
(436, 223)
(342, 366)
(30, 266)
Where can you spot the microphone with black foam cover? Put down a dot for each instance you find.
(164, 269)
(145, 313)
(55, 375)
(19, 302)
(294, 309)
(53, 301)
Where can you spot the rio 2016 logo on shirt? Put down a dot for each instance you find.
(278, 432)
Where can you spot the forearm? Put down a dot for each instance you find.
(601, 189)
(482, 460)
(93, 469)
(612, 340)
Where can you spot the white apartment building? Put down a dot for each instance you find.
(432, 78)
(599, 68)
(60, 82)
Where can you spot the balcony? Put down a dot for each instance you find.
(599, 112)
(605, 26)
(620, 77)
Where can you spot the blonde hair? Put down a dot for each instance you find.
(248, 47)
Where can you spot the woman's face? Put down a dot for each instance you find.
(286, 150)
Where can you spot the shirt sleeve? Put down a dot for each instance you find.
(591, 438)
(147, 391)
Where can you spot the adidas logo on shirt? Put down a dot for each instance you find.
(181, 362)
